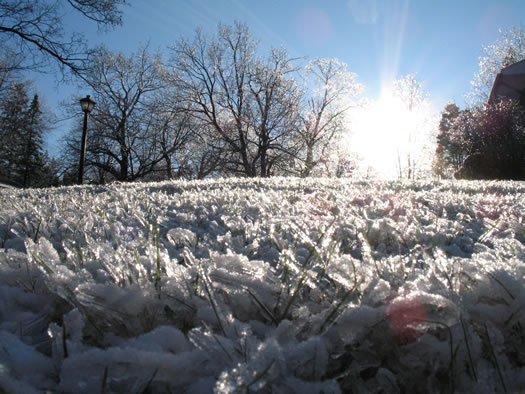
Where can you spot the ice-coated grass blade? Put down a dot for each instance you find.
(330, 318)
(217, 340)
(262, 306)
(158, 275)
(37, 231)
(208, 288)
(452, 367)
(367, 248)
(294, 295)
(146, 388)
(495, 359)
(64, 341)
(499, 283)
(104, 381)
(488, 233)
(258, 377)
(40, 261)
(78, 251)
(467, 344)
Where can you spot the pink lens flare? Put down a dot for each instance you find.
(405, 314)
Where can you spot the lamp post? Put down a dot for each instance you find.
(87, 106)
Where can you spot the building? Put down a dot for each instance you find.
(510, 83)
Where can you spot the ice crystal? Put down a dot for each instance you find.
(279, 285)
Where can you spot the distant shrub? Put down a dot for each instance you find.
(488, 141)
(488, 165)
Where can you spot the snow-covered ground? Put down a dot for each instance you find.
(280, 285)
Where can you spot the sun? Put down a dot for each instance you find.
(383, 133)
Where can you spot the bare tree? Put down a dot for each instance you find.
(331, 90)
(122, 142)
(202, 156)
(410, 153)
(246, 103)
(509, 49)
(10, 66)
(273, 111)
(33, 29)
(173, 128)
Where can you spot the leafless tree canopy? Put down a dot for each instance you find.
(216, 106)
(508, 49)
(33, 29)
(126, 120)
(248, 104)
(322, 118)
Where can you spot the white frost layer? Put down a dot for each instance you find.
(280, 285)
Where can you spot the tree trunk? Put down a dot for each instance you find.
(309, 162)
(264, 155)
(124, 156)
(169, 172)
(249, 168)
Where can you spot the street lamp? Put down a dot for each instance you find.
(87, 106)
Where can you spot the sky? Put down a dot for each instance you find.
(380, 40)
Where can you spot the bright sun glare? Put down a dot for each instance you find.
(384, 132)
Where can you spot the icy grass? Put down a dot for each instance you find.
(281, 285)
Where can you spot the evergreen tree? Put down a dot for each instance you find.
(12, 122)
(23, 161)
(31, 161)
(450, 153)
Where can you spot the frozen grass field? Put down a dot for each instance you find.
(279, 285)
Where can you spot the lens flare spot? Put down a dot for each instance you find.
(364, 12)
(313, 26)
(405, 315)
